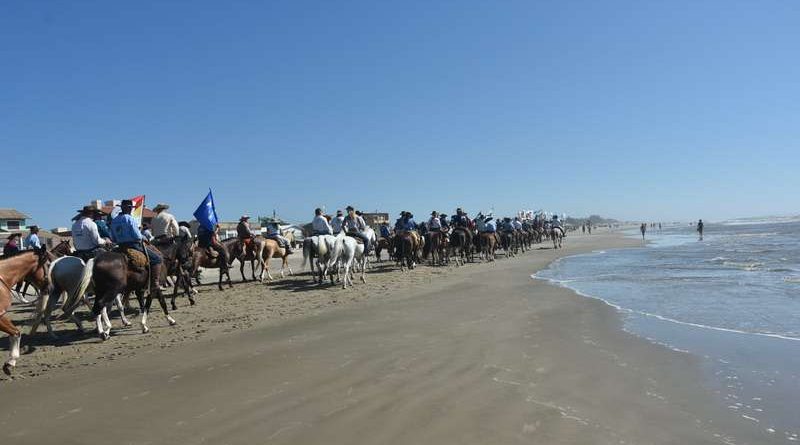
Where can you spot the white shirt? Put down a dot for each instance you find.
(336, 224)
(321, 225)
(516, 224)
(32, 241)
(185, 232)
(164, 224)
(434, 223)
(85, 235)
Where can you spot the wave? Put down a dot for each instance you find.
(743, 266)
(622, 309)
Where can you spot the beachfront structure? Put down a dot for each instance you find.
(12, 220)
(375, 219)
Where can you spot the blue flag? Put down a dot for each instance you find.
(206, 213)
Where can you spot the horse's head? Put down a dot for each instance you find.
(38, 272)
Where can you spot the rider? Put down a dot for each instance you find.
(274, 233)
(164, 225)
(85, 234)
(555, 223)
(386, 232)
(245, 234)
(99, 218)
(460, 218)
(320, 225)
(444, 223)
(489, 225)
(516, 224)
(336, 222)
(11, 247)
(355, 226)
(209, 240)
(32, 240)
(125, 233)
(434, 223)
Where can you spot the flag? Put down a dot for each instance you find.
(206, 213)
(138, 207)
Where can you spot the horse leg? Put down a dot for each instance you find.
(121, 309)
(14, 338)
(163, 302)
(106, 321)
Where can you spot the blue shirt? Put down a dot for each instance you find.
(124, 230)
(490, 226)
(410, 224)
(102, 228)
(32, 241)
(385, 231)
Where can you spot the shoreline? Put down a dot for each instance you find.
(509, 358)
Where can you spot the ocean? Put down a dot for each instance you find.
(732, 299)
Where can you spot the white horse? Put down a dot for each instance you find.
(321, 248)
(350, 254)
(72, 276)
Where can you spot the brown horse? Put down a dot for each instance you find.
(253, 253)
(176, 252)
(489, 244)
(30, 266)
(113, 275)
(460, 244)
(273, 250)
(406, 245)
(434, 247)
(382, 244)
(201, 258)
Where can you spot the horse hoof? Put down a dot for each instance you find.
(7, 369)
(191, 302)
(126, 323)
(105, 336)
(145, 329)
(174, 307)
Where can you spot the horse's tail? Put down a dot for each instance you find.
(306, 252)
(73, 299)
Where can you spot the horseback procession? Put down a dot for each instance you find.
(110, 259)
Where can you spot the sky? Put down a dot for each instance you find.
(640, 110)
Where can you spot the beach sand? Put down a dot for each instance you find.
(479, 354)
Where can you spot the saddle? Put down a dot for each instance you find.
(136, 259)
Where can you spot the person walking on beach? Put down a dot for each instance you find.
(700, 229)
(643, 229)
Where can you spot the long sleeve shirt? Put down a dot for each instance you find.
(164, 224)
(336, 224)
(85, 235)
(354, 224)
(32, 241)
(321, 226)
(434, 223)
(124, 230)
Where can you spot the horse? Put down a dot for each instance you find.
(31, 266)
(460, 241)
(557, 235)
(201, 258)
(348, 251)
(71, 276)
(177, 251)
(239, 252)
(435, 247)
(321, 248)
(114, 276)
(381, 244)
(507, 243)
(273, 249)
(489, 243)
(405, 249)
(64, 247)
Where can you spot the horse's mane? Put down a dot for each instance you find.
(17, 254)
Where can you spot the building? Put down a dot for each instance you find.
(375, 219)
(12, 220)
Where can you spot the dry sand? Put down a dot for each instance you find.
(479, 354)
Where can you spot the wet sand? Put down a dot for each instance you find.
(479, 354)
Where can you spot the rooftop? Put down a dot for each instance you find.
(12, 214)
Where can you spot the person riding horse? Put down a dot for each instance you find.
(164, 226)
(86, 236)
(209, 240)
(320, 225)
(125, 232)
(275, 234)
(337, 221)
(354, 225)
(245, 235)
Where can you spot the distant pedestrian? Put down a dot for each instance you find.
(643, 229)
(583, 228)
(700, 229)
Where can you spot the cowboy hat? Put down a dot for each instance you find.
(434, 213)
(126, 203)
(244, 217)
(349, 208)
(88, 209)
(160, 206)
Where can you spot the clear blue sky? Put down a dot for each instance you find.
(636, 110)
